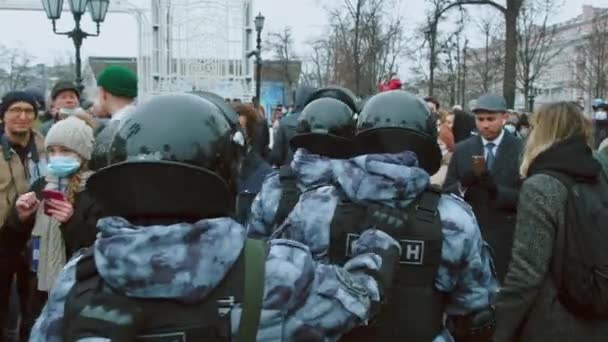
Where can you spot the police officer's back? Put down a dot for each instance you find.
(445, 267)
(324, 131)
(169, 262)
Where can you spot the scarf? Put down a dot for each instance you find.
(51, 253)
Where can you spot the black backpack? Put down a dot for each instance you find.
(580, 257)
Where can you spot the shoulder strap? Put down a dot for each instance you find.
(426, 210)
(560, 234)
(255, 262)
(6, 148)
(290, 194)
(566, 180)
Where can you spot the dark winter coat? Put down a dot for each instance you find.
(495, 214)
(254, 172)
(527, 308)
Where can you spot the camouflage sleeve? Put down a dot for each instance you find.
(320, 302)
(264, 208)
(467, 270)
(49, 325)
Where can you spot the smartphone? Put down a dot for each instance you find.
(51, 194)
(479, 165)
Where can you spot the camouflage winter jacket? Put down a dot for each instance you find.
(466, 270)
(302, 299)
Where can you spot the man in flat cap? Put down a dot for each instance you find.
(484, 170)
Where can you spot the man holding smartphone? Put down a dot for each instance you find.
(484, 171)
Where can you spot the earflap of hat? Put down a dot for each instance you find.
(160, 189)
(397, 140)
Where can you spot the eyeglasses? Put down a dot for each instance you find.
(19, 110)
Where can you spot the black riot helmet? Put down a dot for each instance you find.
(339, 93)
(219, 101)
(325, 127)
(397, 121)
(173, 157)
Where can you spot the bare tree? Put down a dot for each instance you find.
(16, 64)
(319, 67)
(281, 44)
(486, 63)
(536, 43)
(510, 11)
(592, 59)
(361, 45)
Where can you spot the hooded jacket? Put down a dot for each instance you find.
(466, 271)
(303, 300)
(527, 308)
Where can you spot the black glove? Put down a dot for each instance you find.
(469, 179)
(106, 315)
(486, 181)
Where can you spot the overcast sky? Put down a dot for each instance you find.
(32, 31)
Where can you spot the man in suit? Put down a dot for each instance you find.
(492, 190)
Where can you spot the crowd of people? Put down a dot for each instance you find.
(197, 217)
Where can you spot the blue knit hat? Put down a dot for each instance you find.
(16, 96)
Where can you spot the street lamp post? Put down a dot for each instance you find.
(98, 10)
(259, 25)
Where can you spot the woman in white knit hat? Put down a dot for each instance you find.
(58, 215)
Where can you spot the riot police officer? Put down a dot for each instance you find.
(325, 131)
(445, 268)
(339, 93)
(169, 262)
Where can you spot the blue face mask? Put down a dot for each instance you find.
(63, 166)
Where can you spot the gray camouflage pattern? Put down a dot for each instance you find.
(466, 270)
(303, 300)
(311, 171)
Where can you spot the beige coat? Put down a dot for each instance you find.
(15, 178)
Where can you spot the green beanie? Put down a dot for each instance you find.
(118, 81)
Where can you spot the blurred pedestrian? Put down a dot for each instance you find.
(446, 144)
(484, 171)
(531, 305)
(57, 213)
(22, 162)
(116, 94)
(65, 100)
(254, 169)
(281, 153)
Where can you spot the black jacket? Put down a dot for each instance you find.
(79, 232)
(495, 214)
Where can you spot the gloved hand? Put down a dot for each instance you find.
(107, 316)
(486, 181)
(469, 179)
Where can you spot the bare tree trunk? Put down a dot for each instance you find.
(510, 74)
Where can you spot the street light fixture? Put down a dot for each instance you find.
(259, 26)
(98, 10)
(53, 8)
